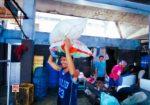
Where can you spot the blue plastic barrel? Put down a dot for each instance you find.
(40, 80)
(53, 77)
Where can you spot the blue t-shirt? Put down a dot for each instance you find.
(101, 68)
(67, 92)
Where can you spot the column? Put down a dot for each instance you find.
(149, 42)
(29, 7)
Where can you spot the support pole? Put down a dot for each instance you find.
(29, 24)
(29, 7)
(149, 31)
(149, 45)
(8, 73)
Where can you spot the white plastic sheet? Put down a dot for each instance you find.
(71, 29)
(145, 84)
(128, 80)
(136, 98)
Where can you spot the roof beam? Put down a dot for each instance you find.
(64, 8)
(121, 5)
(43, 39)
(139, 33)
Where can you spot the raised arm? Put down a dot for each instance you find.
(70, 62)
(53, 64)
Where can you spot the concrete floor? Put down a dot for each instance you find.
(51, 99)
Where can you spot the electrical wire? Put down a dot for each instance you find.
(25, 15)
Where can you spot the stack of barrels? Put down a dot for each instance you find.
(40, 80)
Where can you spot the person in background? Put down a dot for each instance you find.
(114, 77)
(68, 75)
(100, 68)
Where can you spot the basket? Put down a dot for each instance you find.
(25, 96)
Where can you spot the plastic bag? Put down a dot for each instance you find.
(107, 99)
(77, 50)
(136, 98)
(71, 29)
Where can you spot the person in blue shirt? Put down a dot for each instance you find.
(100, 68)
(68, 75)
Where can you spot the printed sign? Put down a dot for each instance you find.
(15, 88)
(15, 73)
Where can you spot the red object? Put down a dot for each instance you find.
(20, 50)
(74, 50)
(91, 80)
